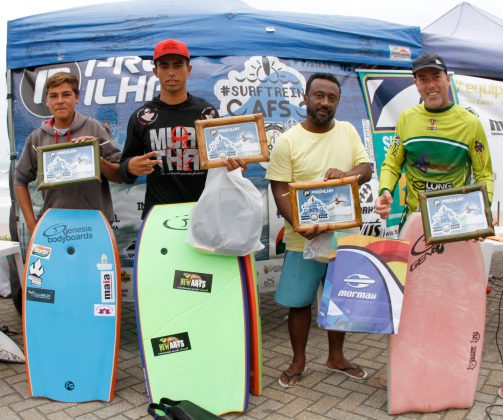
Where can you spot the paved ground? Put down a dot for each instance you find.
(319, 396)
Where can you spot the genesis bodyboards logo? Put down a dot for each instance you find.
(198, 282)
(31, 88)
(40, 295)
(60, 233)
(174, 343)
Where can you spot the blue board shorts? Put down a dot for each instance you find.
(299, 280)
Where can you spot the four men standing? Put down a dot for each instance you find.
(438, 142)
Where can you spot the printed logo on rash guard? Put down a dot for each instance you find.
(177, 149)
(147, 115)
(430, 186)
(209, 113)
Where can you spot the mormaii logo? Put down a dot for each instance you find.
(31, 88)
(358, 281)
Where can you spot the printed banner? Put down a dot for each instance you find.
(363, 290)
(484, 98)
(373, 225)
(387, 94)
(268, 274)
(111, 89)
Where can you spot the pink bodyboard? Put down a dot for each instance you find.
(434, 360)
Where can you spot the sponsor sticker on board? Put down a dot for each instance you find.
(41, 251)
(104, 264)
(168, 344)
(107, 287)
(197, 282)
(101, 309)
(35, 272)
(40, 295)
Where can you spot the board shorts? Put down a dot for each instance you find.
(299, 280)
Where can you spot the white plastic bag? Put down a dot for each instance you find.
(322, 247)
(227, 219)
(319, 248)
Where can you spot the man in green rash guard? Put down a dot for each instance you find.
(439, 142)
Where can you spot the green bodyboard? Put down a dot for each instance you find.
(191, 316)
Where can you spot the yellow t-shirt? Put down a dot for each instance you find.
(300, 155)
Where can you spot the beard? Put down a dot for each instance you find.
(319, 119)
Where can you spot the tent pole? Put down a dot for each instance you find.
(13, 218)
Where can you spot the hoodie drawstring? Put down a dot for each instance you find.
(57, 136)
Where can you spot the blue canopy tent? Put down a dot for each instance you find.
(466, 37)
(218, 28)
(225, 37)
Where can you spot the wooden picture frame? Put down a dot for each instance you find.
(334, 203)
(456, 214)
(63, 164)
(241, 137)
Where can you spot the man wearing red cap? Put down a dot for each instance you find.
(161, 138)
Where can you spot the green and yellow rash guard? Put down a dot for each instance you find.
(439, 150)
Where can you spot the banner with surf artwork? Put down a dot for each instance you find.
(111, 89)
(484, 97)
(387, 93)
(364, 286)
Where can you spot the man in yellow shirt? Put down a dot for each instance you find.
(318, 148)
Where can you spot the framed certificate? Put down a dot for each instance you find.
(335, 203)
(456, 214)
(238, 137)
(68, 163)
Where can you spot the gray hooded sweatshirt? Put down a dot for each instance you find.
(89, 195)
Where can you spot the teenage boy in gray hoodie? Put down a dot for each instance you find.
(66, 124)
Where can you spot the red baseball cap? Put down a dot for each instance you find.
(171, 46)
